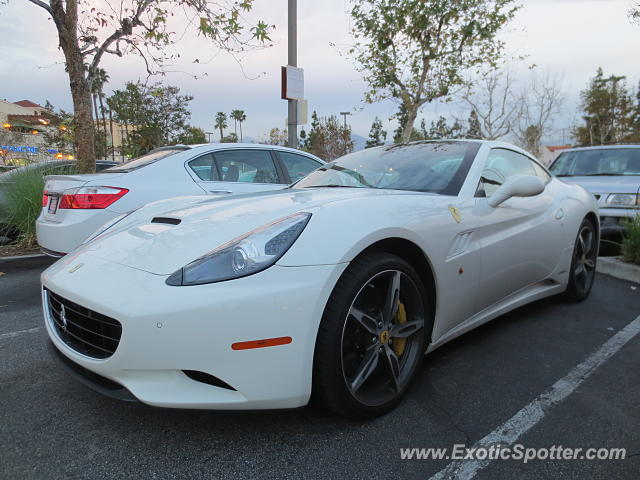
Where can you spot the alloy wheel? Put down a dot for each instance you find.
(381, 337)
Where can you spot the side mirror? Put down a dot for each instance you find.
(516, 186)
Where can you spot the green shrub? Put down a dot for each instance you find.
(22, 203)
(631, 240)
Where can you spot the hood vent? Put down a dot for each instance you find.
(167, 220)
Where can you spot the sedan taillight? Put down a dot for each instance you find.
(91, 197)
(45, 199)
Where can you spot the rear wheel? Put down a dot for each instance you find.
(372, 337)
(583, 264)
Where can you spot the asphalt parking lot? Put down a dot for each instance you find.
(52, 427)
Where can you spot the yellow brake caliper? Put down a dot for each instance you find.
(399, 343)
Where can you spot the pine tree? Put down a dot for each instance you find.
(377, 135)
(608, 112)
(474, 129)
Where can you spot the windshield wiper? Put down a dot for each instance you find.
(603, 174)
(331, 186)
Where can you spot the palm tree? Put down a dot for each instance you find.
(221, 123)
(100, 78)
(241, 118)
(236, 114)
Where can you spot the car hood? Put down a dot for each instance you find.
(205, 223)
(606, 184)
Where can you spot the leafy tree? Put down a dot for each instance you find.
(417, 51)
(329, 138)
(231, 138)
(192, 136)
(536, 108)
(377, 135)
(491, 98)
(277, 136)
(221, 123)
(608, 112)
(474, 130)
(153, 115)
(89, 30)
(402, 117)
(634, 13)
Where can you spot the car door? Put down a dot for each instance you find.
(297, 166)
(237, 171)
(521, 239)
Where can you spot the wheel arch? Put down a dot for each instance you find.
(414, 255)
(593, 218)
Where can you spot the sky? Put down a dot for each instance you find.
(569, 39)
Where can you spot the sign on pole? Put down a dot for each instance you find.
(292, 83)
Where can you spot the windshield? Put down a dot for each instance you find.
(600, 161)
(437, 167)
(144, 160)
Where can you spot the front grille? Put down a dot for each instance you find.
(87, 332)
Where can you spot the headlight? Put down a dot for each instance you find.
(106, 227)
(628, 200)
(246, 255)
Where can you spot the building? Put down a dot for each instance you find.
(551, 152)
(28, 128)
(24, 125)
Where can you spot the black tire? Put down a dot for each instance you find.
(347, 378)
(583, 263)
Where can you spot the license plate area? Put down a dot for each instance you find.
(54, 200)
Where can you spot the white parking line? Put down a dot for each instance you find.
(19, 332)
(529, 416)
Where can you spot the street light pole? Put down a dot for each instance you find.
(344, 114)
(292, 126)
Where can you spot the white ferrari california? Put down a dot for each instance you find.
(330, 291)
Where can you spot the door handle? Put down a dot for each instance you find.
(220, 191)
(559, 214)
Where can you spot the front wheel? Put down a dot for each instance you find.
(583, 264)
(372, 337)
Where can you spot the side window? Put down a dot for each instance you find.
(502, 164)
(247, 166)
(541, 172)
(205, 168)
(298, 166)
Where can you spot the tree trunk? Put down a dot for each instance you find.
(113, 147)
(84, 134)
(412, 113)
(240, 132)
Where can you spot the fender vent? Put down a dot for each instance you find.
(203, 377)
(170, 221)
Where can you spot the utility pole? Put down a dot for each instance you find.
(292, 127)
(344, 114)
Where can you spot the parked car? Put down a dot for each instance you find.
(74, 206)
(612, 174)
(45, 168)
(332, 289)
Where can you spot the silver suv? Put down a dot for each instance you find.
(611, 174)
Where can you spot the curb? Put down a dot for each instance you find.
(615, 267)
(23, 257)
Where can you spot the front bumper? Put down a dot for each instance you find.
(612, 220)
(167, 330)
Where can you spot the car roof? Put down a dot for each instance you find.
(600, 147)
(209, 147)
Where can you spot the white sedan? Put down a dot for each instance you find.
(331, 290)
(75, 206)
